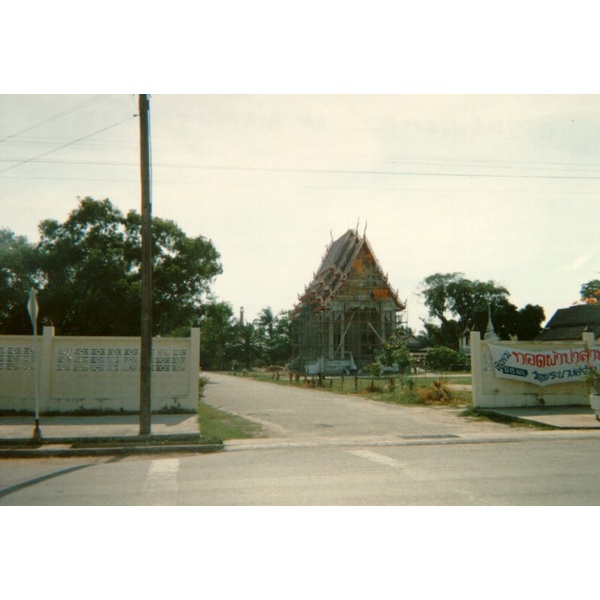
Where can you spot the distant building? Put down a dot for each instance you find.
(346, 312)
(570, 323)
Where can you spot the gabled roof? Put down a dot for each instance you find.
(337, 265)
(570, 323)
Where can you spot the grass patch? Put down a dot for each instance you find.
(218, 425)
(399, 390)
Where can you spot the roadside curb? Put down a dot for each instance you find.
(47, 451)
(116, 440)
(58, 447)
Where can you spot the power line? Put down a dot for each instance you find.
(427, 160)
(34, 158)
(299, 169)
(306, 186)
(64, 113)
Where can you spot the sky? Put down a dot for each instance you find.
(497, 187)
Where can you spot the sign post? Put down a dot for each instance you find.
(32, 309)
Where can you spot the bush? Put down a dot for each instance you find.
(445, 359)
(438, 393)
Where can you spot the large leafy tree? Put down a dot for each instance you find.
(182, 270)
(91, 267)
(462, 304)
(529, 322)
(18, 274)
(459, 303)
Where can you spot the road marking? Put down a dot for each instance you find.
(162, 474)
(375, 457)
(163, 467)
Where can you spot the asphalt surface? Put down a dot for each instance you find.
(287, 413)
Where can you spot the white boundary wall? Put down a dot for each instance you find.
(96, 373)
(491, 391)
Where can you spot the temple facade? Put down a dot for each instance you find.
(346, 312)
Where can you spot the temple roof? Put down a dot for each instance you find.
(337, 265)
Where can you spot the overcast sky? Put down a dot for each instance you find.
(501, 188)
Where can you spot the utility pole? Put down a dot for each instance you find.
(146, 272)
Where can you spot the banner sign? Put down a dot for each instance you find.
(543, 367)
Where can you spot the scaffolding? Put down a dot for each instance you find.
(347, 312)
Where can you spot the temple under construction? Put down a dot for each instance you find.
(347, 311)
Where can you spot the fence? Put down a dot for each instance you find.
(96, 373)
(521, 374)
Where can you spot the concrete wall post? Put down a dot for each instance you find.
(476, 368)
(45, 365)
(194, 363)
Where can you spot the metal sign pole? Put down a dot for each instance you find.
(32, 309)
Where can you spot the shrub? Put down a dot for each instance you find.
(445, 359)
(437, 393)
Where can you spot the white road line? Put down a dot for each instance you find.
(375, 457)
(162, 473)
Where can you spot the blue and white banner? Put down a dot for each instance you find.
(543, 367)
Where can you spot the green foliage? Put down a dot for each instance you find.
(218, 425)
(461, 304)
(592, 378)
(529, 322)
(274, 332)
(18, 274)
(87, 272)
(226, 341)
(246, 345)
(590, 291)
(374, 369)
(445, 359)
(394, 353)
(217, 334)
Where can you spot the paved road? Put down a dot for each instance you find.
(330, 450)
(561, 472)
(298, 412)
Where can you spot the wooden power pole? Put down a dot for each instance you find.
(146, 272)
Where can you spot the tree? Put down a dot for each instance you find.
(246, 345)
(265, 329)
(218, 332)
(182, 270)
(91, 265)
(461, 304)
(88, 266)
(275, 334)
(282, 338)
(590, 291)
(18, 274)
(394, 353)
(438, 335)
(529, 322)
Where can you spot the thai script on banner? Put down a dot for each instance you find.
(543, 367)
